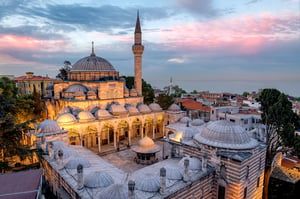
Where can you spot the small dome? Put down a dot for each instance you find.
(85, 116)
(185, 119)
(146, 145)
(225, 134)
(74, 88)
(73, 162)
(155, 107)
(98, 179)
(143, 108)
(148, 182)
(132, 110)
(146, 142)
(92, 63)
(117, 109)
(174, 108)
(133, 92)
(102, 113)
(197, 122)
(126, 90)
(194, 163)
(114, 191)
(174, 172)
(49, 127)
(66, 118)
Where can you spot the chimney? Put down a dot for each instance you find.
(50, 150)
(79, 176)
(186, 170)
(163, 185)
(204, 162)
(131, 185)
(60, 159)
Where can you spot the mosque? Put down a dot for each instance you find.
(188, 159)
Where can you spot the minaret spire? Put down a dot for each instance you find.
(93, 52)
(138, 24)
(138, 50)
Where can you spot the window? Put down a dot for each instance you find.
(221, 192)
(257, 182)
(231, 120)
(246, 121)
(247, 172)
(245, 193)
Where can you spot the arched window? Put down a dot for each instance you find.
(247, 172)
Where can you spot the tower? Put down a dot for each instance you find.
(138, 49)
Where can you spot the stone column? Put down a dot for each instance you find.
(186, 176)
(129, 135)
(79, 176)
(115, 139)
(163, 183)
(131, 185)
(99, 141)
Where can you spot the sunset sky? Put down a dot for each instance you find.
(188, 40)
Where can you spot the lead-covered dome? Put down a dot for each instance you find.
(174, 108)
(85, 116)
(66, 118)
(49, 127)
(98, 179)
(225, 134)
(155, 107)
(92, 63)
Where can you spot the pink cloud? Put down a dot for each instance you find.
(29, 43)
(245, 35)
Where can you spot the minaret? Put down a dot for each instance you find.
(138, 49)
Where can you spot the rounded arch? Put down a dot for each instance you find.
(107, 133)
(136, 126)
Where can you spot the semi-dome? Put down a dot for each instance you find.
(194, 163)
(92, 63)
(143, 108)
(225, 134)
(75, 88)
(155, 107)
(73, 162)
(146, 145)
(102, 113)
(114, 191)
(98, 179)
(174, 108)
(132, 110)
(66, 118)
(49, 127)
(85, 116)
(148, 182)
(197, 122)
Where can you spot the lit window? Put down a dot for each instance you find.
(245, 192)
(257, 182)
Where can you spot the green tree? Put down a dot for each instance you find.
(147, 89)
(194, 92)
(165, 101)
(277, 115)
(178, 91)
(245, 94)
(63, 72)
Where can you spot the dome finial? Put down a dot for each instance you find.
(93, 53)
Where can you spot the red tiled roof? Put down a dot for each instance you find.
(20, 185)
(290, 161)
(33, 78)
(193, 105)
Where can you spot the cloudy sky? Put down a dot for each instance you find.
(188, 40)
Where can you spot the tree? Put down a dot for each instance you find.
(194, 92)
(277, 115)
(178, 91)
(245, 94)
(165, 101)
(63, 72)
(147, 89)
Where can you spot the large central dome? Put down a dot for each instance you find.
(92, 63)
(225, 134)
